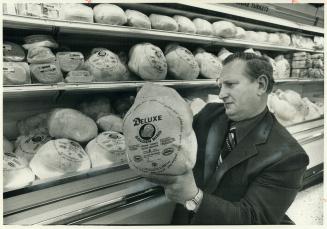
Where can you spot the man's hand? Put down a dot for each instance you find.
(162, 180)
(184, 188)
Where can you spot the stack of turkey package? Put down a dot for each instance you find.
(306, 65)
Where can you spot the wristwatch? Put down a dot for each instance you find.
(193, 204)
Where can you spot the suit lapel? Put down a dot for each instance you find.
(243, 150)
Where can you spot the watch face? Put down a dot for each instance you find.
(190, 205)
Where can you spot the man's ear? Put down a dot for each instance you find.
(263, 84)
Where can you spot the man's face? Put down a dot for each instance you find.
(238, 91)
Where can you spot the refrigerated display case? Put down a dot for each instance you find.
(115, 194)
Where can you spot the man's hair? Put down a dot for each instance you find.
(256, 66)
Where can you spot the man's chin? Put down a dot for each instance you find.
(231, 115)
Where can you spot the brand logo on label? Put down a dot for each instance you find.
(147, 131)
(137, 158)
(140, 121)
(168, 151)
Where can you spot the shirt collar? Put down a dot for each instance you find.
(245, 126)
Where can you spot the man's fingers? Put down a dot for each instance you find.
(160, 179)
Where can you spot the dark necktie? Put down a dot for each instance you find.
(229, 144)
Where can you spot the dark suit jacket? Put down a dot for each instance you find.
(258, 180)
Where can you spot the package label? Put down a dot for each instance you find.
(114, 144)
(50, 11)
(71, 154)
(9, 69)
(48, 68)
(155, 135)
(105, 60)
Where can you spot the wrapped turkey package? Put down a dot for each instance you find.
(163, 22)
(185, 25)
(96, 107)
(283, 69)
(137, 19)
(158, 132)
(110, 122)
(240, 33)
(46, 73)
(210, 65)
(16, 173)
(106, 66)
(109, 14)
(35, 124)
(181, 63)
(224, 29)
(33, 41)
(108, 148)
(79, 76)
(16, 73)
(203, 27)
(40, 55)
(77, 12)
(70, 61)
(147, 61)
(71, 124)
(59, 157)
(28, 145)
(223, 54)
(12, 52)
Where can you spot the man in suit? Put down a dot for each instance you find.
(249, 168)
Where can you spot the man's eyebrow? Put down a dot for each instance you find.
(230, 81)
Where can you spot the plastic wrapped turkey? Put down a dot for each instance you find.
(158, 132)
(240, 33)
(38, 40)
(283, 69)
(96, 107)
(109, 14)
(210, 65)
(262, 36)
(110, 122)
(312, 110)
(28, 145)
(70, 61)
(137, 19)
(8, 147)
(16, 73)
(181, 62)
(12, 52)
(108, 148)
(106, 66)
(185, 25)
(251, 36)
(77, 12)
(147, 61)
(71, 124)
(16, 173)
(224, 29)
(46, 73)
(163, 22)
(223, 54)
(34, 124)
(40, 55)
(202, 27)
(59, 157)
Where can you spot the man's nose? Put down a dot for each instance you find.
(222, 93)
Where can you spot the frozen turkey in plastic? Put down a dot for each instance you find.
(251, 36)
(223, 54)
(158, 132)
(294, 99)
(51, 10)
(181, 63)
(8, 147)
(46, 73)
(16, 73)
(147, 61)
(28, 145)
(282, 67)
(108, 148)
(35, 124)
(312, 110)
(137, 19)
(70, 61)
(274, 38)
(203, 27)
(109, 14)
(77, 12)
(299, 73)
(318, 42)
(224, 29)
(79, 76)
(29, 9)
(163, 22)
(185, 25)
(33, 41)
(110, 122)
(71, 124)
(285, 39)
(12, 52)
(210, 65)
(240, 33)
(59, 157)
(262, 36)
(96, 107)
(16, 173)
(106, 66)
(40, 55)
